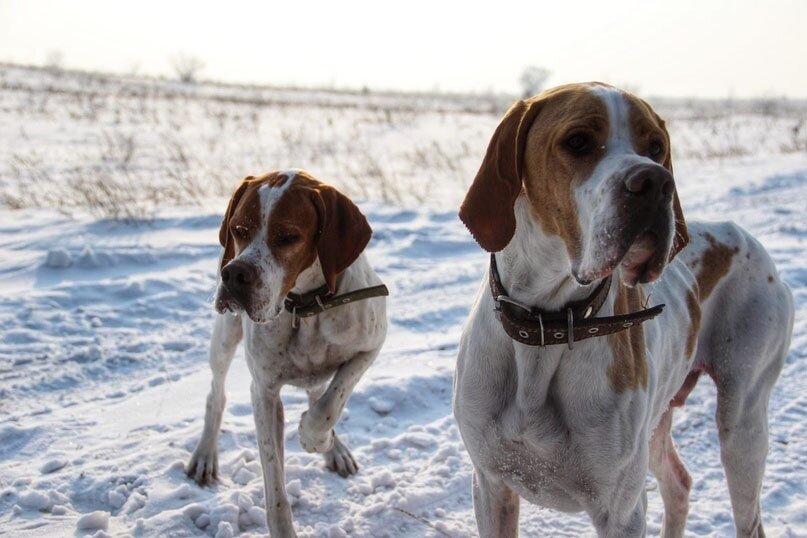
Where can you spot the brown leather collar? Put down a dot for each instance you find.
(534, 327)
(311, 303)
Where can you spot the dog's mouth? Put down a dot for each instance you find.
(224, 304)
(642, 261)
(228, 304)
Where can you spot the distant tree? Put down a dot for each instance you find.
(187, 67)
(533, 79)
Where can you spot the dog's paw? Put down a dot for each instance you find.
(339, 459)
(314, 435)
(203, 466)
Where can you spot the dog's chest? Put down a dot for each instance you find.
(281, 354)
(539, 458)
(559, 436)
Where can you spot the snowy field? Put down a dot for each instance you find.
(111, 194)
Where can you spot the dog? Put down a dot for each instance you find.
(296, 287)
(577, 351)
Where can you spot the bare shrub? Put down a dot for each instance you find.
(532, 80)
(187, 67)
(125, 148)
(119, 148)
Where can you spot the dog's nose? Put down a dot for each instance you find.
(654, 182)
(238, 276)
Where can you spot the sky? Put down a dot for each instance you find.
(698, 48)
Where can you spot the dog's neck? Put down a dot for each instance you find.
(535, 268)
(310, 279)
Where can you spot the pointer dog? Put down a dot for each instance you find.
(577, 186)
(291, 243)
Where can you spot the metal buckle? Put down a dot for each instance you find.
(570, 322)
(294, 320)
(541, 323)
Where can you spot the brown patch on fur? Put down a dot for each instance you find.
(487, 210)
(525, 153)
(628, 370)
(551, 173)
(251, 210)
(715, 264)
(770, 279)
(694, 308)
(310, 220)
(293, 215)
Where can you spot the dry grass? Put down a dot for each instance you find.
(126, 147)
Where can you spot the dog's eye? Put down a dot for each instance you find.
(655, 149)
(241, 231)
(286, 239)
(578, 143)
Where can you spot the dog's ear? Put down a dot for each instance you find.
(487, 210)
(225, 237)
(681, 236)
(343, 232)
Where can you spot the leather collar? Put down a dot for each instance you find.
(572, 323)
(311, 303)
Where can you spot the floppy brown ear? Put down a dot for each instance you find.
(344, 232)
(681, 237)
(487, 210)
(225, 237)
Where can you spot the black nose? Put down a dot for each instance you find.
(654, 183)
(238, 276)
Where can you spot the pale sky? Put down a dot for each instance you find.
(710, 48)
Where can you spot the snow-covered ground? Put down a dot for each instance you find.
(104, 325)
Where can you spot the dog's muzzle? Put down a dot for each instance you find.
(238, 279)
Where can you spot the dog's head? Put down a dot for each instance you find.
(594, 163)
(276, 226)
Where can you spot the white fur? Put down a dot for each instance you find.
(546, 424)
(326, 354)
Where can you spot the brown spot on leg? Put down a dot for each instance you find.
(629, 367)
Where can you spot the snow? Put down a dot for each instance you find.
(104, 328)
(93, 520)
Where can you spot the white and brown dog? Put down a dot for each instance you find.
(576, 186)
(296, 288)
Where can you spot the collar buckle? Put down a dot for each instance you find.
(532, 327)
(570, 327)
(295, 322)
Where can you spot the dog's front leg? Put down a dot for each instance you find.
(622, 514)
(338, 459)
(316, 424)
(204, 463)
(268, 411)
(495, 506)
